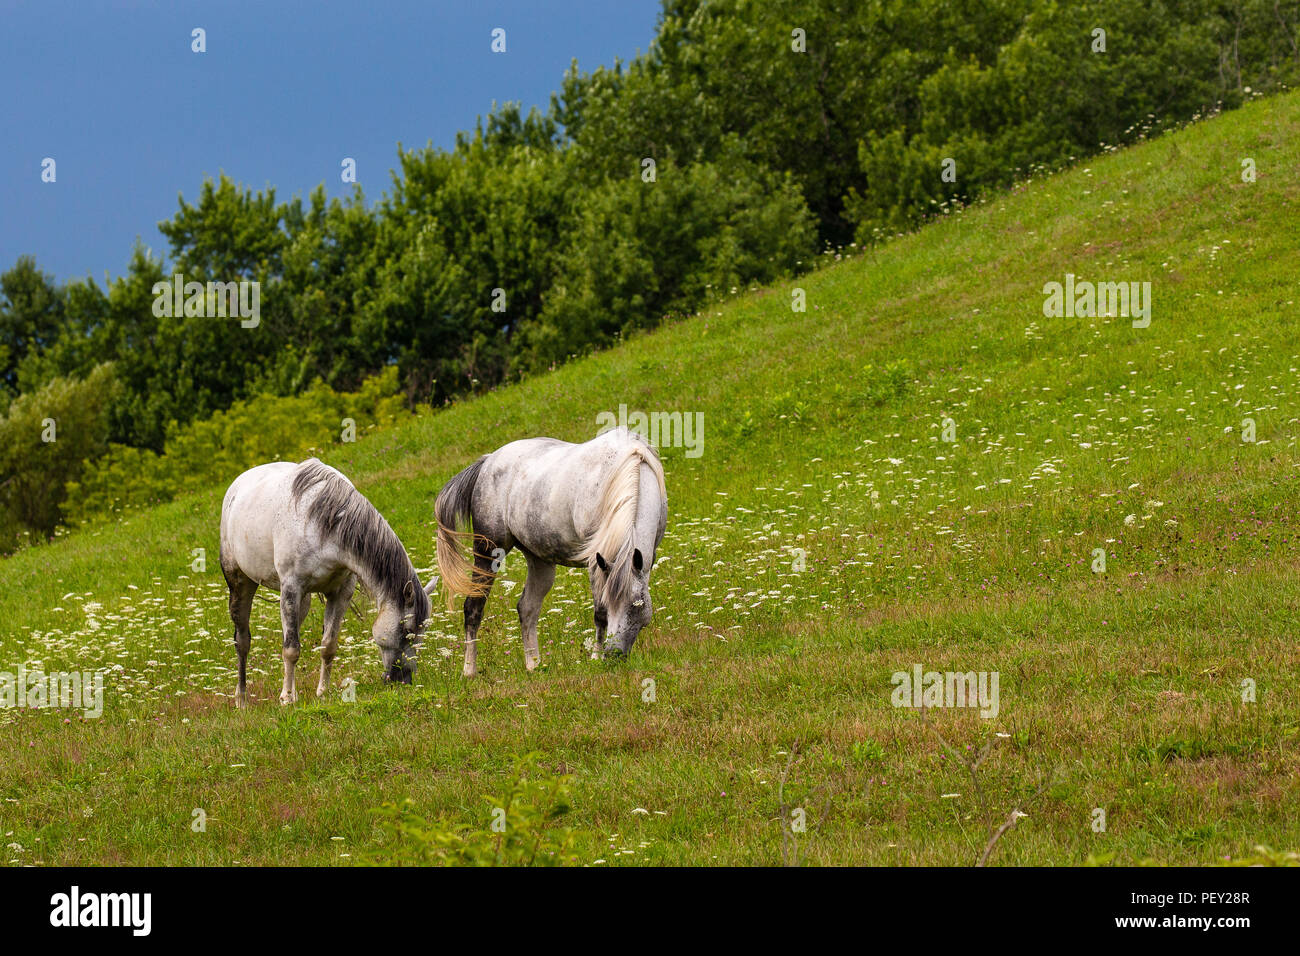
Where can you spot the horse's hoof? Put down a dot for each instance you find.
(470, 672)
(291, 699)
(322, 690)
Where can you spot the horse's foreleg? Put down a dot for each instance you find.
(601, 617)
(602, 622)
(540, 578)
(336, 608)
(291, 606)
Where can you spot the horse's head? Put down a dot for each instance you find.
(626, 601)
(398, 627)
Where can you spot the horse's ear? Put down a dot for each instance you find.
(638, 562)
(600, 563)
(431, 586)
(409, 593)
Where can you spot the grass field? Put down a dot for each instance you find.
(827, 537)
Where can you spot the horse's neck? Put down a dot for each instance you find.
(374, 584)
(647, 510)
(369, 580)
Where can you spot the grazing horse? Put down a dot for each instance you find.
(599, 505)
(303, 529)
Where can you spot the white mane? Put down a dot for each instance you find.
(613, 534)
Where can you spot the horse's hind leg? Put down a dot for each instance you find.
(336, 608)
(540, 578)
(242, 588)
(293, 607)
(483, 575)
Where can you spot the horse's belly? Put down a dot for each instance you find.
(564, 558)
(253, 551)
(543, 539)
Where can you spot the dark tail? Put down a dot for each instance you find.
(452, 509)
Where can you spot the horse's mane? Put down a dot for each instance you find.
(346, 516)
(612, 537)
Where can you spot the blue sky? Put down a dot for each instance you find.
(112, 92)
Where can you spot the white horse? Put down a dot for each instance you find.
(599, 505)
(303, 529)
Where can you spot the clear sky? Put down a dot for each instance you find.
(112, 92)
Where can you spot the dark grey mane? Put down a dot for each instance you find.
(345, 515)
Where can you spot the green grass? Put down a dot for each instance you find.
(1119, 690)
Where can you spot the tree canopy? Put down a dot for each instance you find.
(750, 139)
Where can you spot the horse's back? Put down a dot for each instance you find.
(528, 449)
(258, 484)
(551, 456)
(544, 494)
(249, 517)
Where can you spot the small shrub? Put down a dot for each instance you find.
(883, 385)
(44, 438)
(216, 449)
(519, 829)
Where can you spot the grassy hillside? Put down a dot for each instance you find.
(823, 438)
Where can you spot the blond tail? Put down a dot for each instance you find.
(452, 509)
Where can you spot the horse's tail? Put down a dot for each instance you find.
(453, 511)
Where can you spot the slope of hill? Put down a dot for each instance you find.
(828, 537)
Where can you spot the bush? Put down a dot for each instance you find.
(209, 452)
(44, 439)
(883, 385)
(524, 834)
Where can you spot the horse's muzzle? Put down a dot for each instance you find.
(399, 675)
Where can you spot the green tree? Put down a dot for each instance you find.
(45, 438)
(31, 316)
(639, 251)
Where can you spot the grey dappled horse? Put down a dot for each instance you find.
(303, 529)
(599, 505)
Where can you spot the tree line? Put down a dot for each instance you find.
(751, 139)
